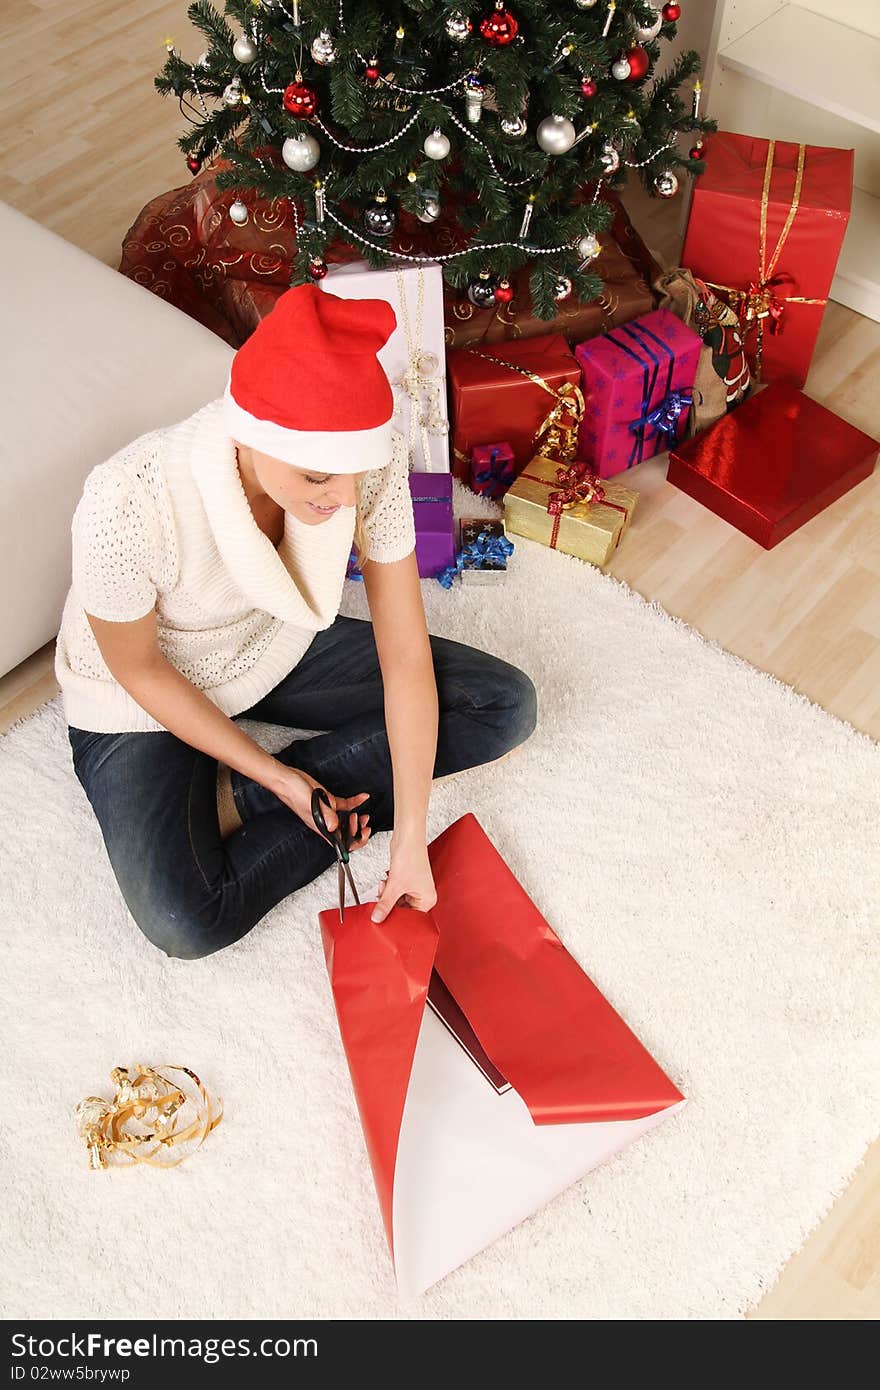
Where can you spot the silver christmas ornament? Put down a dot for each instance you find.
(301, 152)
(378, 217)
(458, 28)
(244, 50)
(563, 289)
(609, 159)
(666, 184)
(589, 247)
(585, 4)
(324, 49)
(555, 134)
(436, 145)
(238, 213)
(620, 68)
(430, 210)
(646, 32)
(474, 97)
(514, 127)
(482, 292)
(232, 93)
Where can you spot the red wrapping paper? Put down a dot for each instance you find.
(723, 241)
(489, 400)
(626, 374)
(540, 1019)
(773, 463)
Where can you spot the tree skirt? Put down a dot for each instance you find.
(702, 838)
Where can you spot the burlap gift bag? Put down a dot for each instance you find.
(723, 376)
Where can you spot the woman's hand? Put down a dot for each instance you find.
(295, 789)
(409, 877)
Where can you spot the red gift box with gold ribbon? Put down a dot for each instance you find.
(766, 226)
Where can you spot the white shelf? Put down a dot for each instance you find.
(857, 282)
(817, 59)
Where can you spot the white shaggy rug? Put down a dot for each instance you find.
(702, 838)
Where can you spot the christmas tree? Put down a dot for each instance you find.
(504, 119)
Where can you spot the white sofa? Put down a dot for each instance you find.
(88, 361)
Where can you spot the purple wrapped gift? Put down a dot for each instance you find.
(431, 495)
(432, 510)
(637, 383)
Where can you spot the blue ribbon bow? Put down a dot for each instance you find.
(664, 418)
(487, 546)
(497, 474)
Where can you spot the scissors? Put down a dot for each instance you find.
(340, 839)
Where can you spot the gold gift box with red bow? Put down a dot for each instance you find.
(565, 506)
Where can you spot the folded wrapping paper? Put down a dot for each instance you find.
(455, 1162)
(414, 355)
(773, 463)
(766, 225)
(637, 383)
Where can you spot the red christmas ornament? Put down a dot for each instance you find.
(504, 291)
(639, 62)
(371, 72)
(588, 87)
(301, 100)
(500, 27)
(671, 13)
(193, 163)
(697, 151)
(317, 268)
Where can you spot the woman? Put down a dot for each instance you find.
(209, 562)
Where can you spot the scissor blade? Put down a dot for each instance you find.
(354, 891)
(340, 881)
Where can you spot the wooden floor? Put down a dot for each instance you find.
(87, 141)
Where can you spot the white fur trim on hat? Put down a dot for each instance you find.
(322, 451)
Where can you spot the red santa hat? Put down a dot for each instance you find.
(307, 386)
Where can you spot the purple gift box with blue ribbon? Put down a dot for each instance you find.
(431, 495)
(638, 386)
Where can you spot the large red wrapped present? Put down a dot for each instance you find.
(184, 248)
(766, 225)
(527, 393)
(637, 384)
(773, 463)
(517, 1080)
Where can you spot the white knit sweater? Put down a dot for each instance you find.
(166, 521)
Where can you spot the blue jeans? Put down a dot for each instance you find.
(155, 796)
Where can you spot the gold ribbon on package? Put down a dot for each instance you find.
(149, 1116)
(761, 301)
(557, 433)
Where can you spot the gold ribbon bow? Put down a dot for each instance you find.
(761, 302)
(557, 433)
(148, 1115)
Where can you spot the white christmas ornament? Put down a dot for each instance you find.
(430, 210)
(555, 134)
(238, 213)
(323, 49)
(514, 127)
(232, 93)
(436, 145)
(646, 32)
(620, 68)
(589, 247)
(244, 50)
(300, 152)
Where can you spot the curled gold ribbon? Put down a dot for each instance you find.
(760, 302)
(557, 433)
(148, 1116)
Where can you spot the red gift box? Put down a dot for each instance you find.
(508, 392)
(773, 463)
(766, 225)
(637, 385)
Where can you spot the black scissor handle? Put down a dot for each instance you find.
(339, 838)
